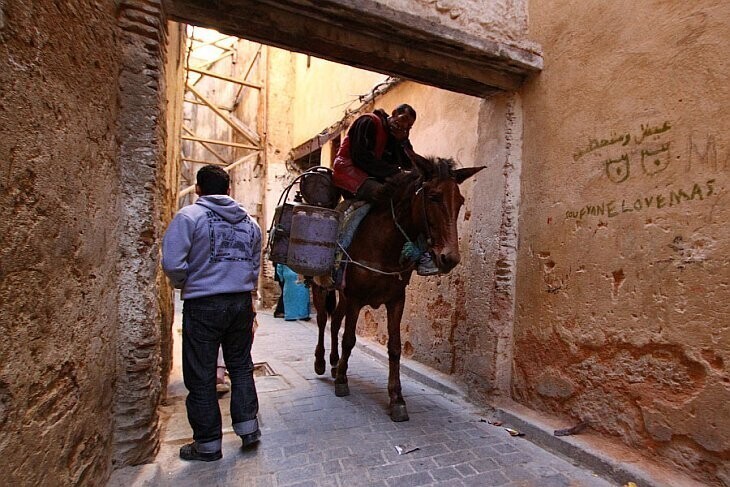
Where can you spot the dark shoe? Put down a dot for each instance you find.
(250, 439)
(190, 452)
(426, 266)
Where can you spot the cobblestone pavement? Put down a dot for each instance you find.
(312, 438)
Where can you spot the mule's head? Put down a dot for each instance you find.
(437, 204)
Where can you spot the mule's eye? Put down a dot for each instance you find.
(436, 197)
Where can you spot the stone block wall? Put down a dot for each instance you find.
(60, 194)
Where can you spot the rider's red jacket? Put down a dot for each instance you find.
(345, 174)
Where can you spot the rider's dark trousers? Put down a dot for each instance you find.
(225, 320)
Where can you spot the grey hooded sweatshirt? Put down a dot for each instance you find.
(212, 247)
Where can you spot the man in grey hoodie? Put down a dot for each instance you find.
(212, 251)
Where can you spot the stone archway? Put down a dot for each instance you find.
(363, 34)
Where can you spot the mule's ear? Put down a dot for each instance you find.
(423, 165)
(465, 173)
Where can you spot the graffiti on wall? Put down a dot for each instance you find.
(648, 152)
(647, 146)
(672, 197)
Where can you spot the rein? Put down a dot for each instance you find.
(349, 260)
(429, 242)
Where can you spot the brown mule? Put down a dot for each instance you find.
(424, 202)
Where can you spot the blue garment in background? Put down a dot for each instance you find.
(296, 294)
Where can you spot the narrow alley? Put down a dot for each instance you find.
(312, 438)
(564, 167)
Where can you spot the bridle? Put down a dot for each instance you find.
(414, 246)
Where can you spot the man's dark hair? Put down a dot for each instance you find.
(405, 108)
(213, 180)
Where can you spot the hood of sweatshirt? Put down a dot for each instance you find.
(223, 205)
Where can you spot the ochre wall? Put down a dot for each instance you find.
(323, 91)
(278, 101)
(623, 270)
(60, 192)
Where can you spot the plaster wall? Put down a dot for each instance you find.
(60, 191)
(279, 100)
(323, 91)
(623, 275)
(248, 180)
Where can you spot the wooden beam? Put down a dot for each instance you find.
(220, 113)
(196, 102)
(199, 161)
(210, 149)
(219, 142)
(205, 72)
(243, 160)
(237, 100)
(250, 133)
(370, 34)
(209, 42)
(210, 63)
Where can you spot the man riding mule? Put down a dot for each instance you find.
(375, 150)
(425, 201)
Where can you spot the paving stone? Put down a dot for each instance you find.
(504, 448)
(454, 458)
(362, 460)
(310, 437)
(388, 471)
(331, 466)
(484, 465)
(298, 474)
(516, 458)
(265, 481)
(413, 480)
(465, 469)
(487, 478)
(518, 472)
(449, 483)
(422, 465)
(445, 473)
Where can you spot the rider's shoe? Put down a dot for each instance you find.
(426, 265)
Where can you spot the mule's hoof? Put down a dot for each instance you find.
(334, 372)
(319, 367)
(342, 390)
(398, 413)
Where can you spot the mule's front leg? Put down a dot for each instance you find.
(319, 296)
(398, 411)
(335, 324)
(348, 343)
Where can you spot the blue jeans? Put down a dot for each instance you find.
(209, 322)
